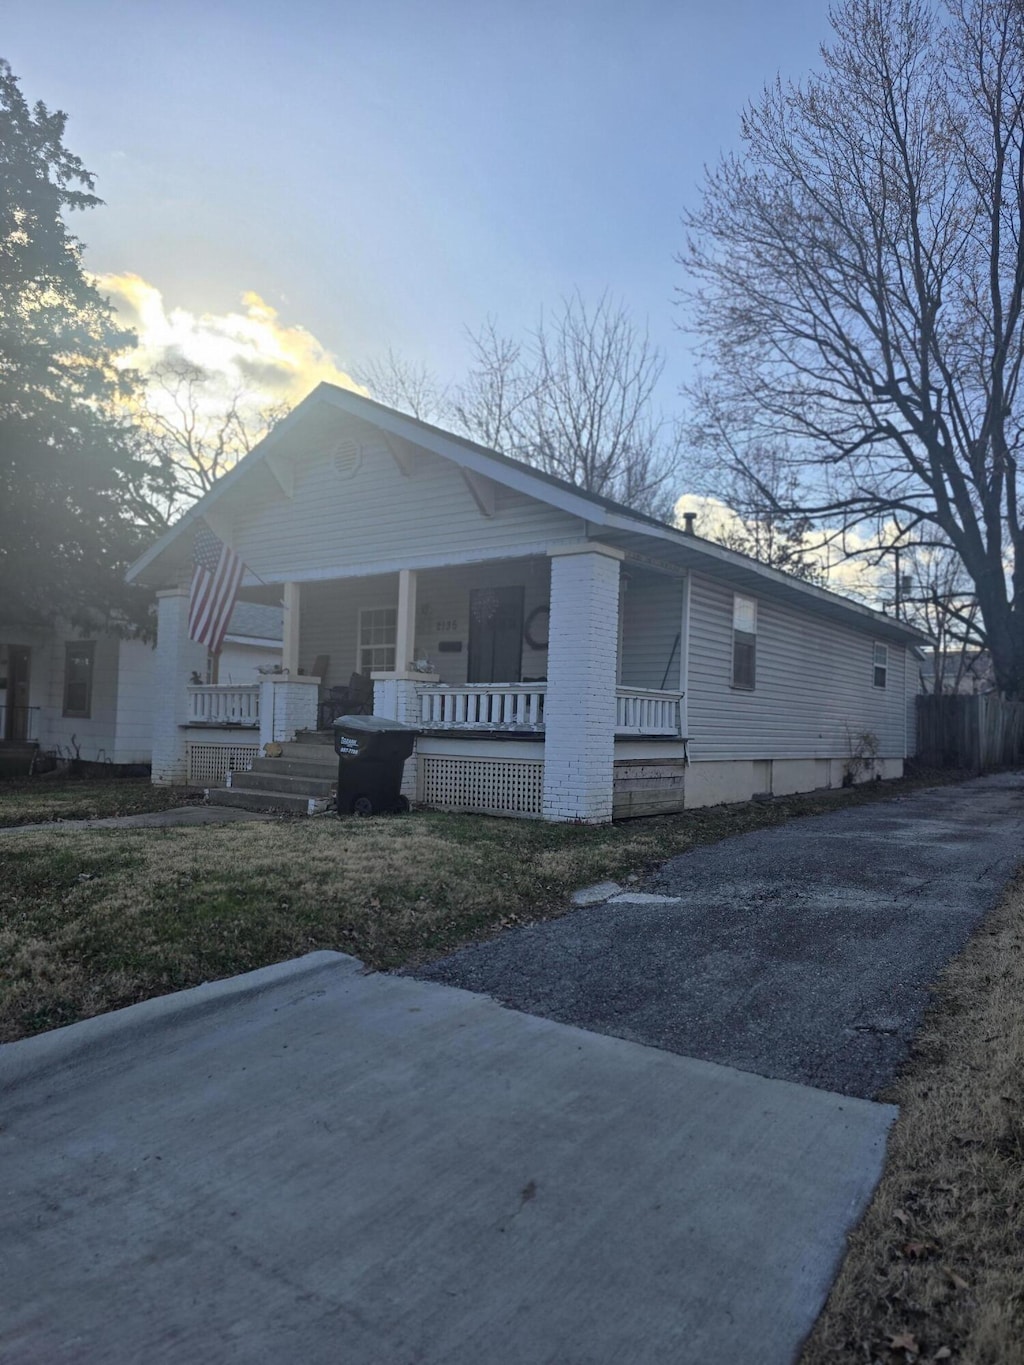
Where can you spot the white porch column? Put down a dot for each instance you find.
(290, 635)
(287, 703)
(396, 696)
(684, 658)
(176, 658)
(405, 631)
(579, 712)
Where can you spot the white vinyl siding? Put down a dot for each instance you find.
(652, 616)
(379, 519)
(814, 685)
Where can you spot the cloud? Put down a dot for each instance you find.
(847, 567)
(248, 352)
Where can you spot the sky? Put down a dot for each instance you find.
(322, 181)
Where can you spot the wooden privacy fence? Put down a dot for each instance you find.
(970, 732)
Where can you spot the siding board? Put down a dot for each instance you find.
(814, 685)
(380, 516)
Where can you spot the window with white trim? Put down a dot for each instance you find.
(881, 664)
(378, 637)
(79, 658)
(744, 642)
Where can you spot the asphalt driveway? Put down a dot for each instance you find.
(803, 952)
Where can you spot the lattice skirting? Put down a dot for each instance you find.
(209, 764)
(487, 786)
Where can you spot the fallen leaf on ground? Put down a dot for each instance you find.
(915, 1250)
(955, 1280)
(902, 1217)
(904, 1341)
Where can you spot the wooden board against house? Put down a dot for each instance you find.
(647, 786)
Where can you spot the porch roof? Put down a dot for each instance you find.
(639, 535)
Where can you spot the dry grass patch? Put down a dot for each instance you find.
(27, 801)
(935, 1271)
(91, 920)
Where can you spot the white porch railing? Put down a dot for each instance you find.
(212, 704)
(484, 706)
(642, 711)
(520, 707)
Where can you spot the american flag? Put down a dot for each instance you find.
(215, 582)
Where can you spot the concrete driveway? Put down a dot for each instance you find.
(315, 1164)
(803, 952)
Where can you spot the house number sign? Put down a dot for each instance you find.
(446, 627)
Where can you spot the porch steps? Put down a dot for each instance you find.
(288, 803)
(300, 782)
(303, 784)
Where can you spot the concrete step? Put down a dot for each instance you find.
(320, 737)
(260, 800)
(294, 767)
(308, 753)
(312, 755)
(290, 784)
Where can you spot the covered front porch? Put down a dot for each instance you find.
(542, 684)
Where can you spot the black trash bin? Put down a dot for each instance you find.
(371, 755)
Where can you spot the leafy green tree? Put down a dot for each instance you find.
(74, 489)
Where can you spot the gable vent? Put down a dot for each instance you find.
(347, 459)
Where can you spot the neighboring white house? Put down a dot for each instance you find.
(91, 696)
(564, 656)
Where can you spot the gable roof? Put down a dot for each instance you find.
(636, 532)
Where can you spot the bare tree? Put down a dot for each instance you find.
(576, 399)
(933, 591)
(762, 491)
(398, 382)
(195, 438)
(857, 279)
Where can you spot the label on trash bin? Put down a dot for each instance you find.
(348, 746)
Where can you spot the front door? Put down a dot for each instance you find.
(16, 709)
(495, 635)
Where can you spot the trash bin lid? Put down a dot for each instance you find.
(373, 725)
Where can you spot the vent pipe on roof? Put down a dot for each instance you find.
(689, 518)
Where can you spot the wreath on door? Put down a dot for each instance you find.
(537, 628)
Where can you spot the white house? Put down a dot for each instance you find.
(91, 695)
(564, 656)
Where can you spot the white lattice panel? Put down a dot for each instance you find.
(209, 764)
(488, 786)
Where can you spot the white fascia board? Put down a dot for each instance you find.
(773, 577)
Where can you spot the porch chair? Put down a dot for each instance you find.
(354, 700)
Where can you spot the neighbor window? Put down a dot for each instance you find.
(744, 641)
(881, 665)
(377, 637)
(78, 669)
